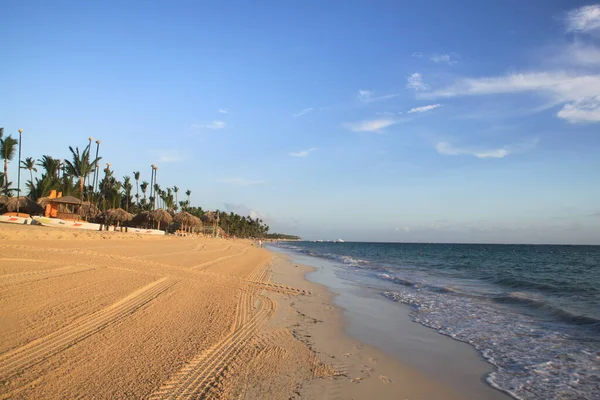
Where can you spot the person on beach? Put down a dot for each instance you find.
(259, 243)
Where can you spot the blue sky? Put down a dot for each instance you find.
(382, 120)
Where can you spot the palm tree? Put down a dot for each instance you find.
(127, 186)
(29, 164)
(81, 166)
(188, 193)
(136, 176)
(144, 186)
(176, 189)
(7, 152)
(50, 165)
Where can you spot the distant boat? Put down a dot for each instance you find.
(340, 241)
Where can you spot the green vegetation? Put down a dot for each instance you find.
(100, 191)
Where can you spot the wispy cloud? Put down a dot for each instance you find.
(303, 153)
(305, 111)
(584, 19)
(368, 96)
(373, 125)
(501, 152)
(449, 59)
(578, 93)
(424, 108)
(223, 111)
(586, 110)
(168, 155)
(580, 54)
(415, 81)
(212, 125)
(241, 181)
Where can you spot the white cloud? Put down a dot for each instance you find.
(223, 110)
(415, 81)
(416, 54)
(569, 89)
(367, 96)
(241, 181)
(443, 59)
(424, 108)
(305, 111)
(587, 110)
(451, 150)
(584, 19)
(373, 125)
(212, 125)
(303, 153)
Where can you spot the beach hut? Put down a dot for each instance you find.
(161, 216)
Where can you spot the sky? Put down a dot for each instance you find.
(429, 121)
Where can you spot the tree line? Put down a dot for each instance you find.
(80, 176)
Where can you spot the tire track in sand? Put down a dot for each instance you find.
(218, 260)
(23, 277)
(201, 377)
(15, 361)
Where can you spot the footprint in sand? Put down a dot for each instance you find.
(372, 360)
(356, 380)
(384, 379)
(347, 355)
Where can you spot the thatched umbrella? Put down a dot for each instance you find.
(142, 218)
(161, 215)
(184, 219)
(43, 201)
(26, 205)
(209, 217)
(88, 209)
(118, 215)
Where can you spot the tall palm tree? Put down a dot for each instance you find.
(175, 190)
(136, 176)
(144, 186)
(8, 146)
(81, 166)
(127, 186)
(188, 193)
(29, 164)
(156, 193)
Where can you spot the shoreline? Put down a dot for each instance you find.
(372, 323)
(360, 370)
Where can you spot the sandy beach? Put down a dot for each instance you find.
(110, 315)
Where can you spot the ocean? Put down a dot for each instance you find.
(532, 311)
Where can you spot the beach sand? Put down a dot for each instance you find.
(111, 315)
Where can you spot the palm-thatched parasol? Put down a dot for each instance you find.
(118, 215)
(88, 209)
(141, 219)
(43, 201)
(184, 218)
(26, 205)
(196, 221)
(209, 217)
(161, 215)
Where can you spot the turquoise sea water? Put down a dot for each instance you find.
(533, 311)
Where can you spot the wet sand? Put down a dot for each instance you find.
(115, 316)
